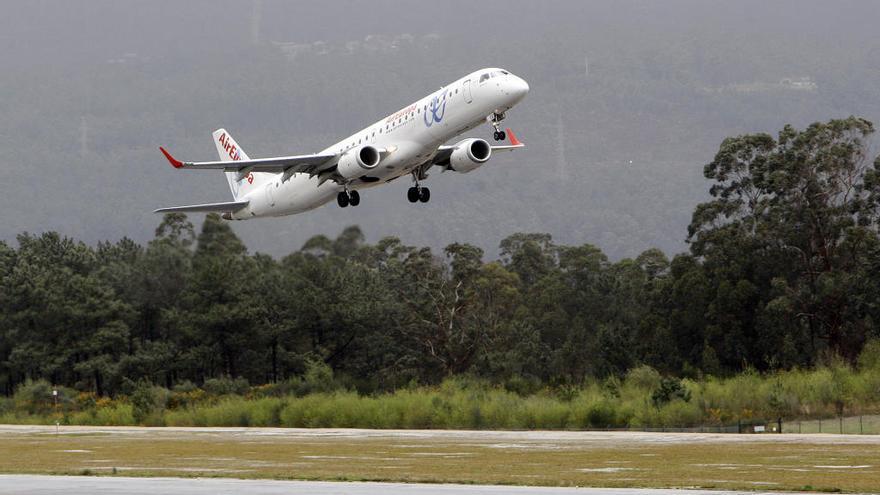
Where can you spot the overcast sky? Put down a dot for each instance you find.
(89, 89)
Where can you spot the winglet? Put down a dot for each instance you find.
(174, 161)
(513, 140)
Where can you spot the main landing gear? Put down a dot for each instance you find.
(418, 193)
(347, 197)
(495, 121)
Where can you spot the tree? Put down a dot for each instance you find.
(786, 237)
(218, 321)
(531, 256)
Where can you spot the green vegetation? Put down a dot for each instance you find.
(641, 400)
(768, 315)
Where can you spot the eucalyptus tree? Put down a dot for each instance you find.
(785, 240)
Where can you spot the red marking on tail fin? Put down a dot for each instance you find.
(174, 161)
(513, 140)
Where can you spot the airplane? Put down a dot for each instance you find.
(407, 142)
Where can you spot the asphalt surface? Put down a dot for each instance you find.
(551, 436)
(86, 485)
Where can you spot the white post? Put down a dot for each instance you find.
(55, 399)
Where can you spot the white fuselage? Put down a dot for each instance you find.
(411, 137)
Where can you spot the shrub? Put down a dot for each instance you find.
(669, 389)
(680, 413)
(523, 386)
(319, 377)
(6, 405)
(643, 378)
(35, 397)
(601, 414)
(147, 402)
(869, 359)
(180, 399)
(226, 386)
(113, 415)
(185, 387)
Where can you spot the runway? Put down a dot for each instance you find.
(86, 485)
(595, 438)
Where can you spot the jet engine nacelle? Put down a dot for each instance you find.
(469, 154)
(356, 162)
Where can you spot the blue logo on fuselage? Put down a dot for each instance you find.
(436, 110)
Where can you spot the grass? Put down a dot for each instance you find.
(567, 459)
(643, 399)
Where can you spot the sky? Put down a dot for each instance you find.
(629, 100)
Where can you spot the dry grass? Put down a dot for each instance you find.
(607, 460)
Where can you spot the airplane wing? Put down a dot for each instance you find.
(443, 153)
(208, 208)
(291, 164)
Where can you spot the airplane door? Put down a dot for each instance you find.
(467, 91)
(270, 193)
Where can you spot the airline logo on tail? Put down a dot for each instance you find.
(230, 148)
(234, 153)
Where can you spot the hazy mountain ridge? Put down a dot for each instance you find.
(90, 91)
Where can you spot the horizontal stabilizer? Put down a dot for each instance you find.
(229, 207)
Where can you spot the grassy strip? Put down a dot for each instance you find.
(621, 461)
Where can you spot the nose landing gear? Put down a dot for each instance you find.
(495, 121)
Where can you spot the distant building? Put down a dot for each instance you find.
(801, 83)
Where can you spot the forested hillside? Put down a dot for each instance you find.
(782, 274)
(629, 99)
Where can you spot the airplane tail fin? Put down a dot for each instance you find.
(239, 183)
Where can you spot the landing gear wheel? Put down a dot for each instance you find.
(354, 198)
(342, 199)
(424, 195)
(412, 194)
(495, 121)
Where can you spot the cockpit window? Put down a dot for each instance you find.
(494, 73)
